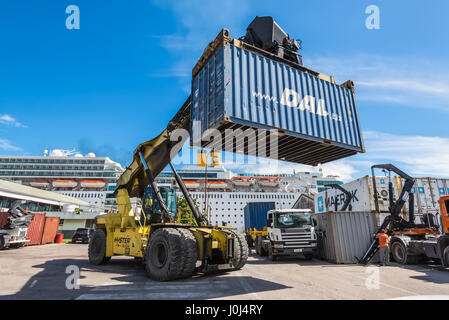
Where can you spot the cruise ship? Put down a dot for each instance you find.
(88, 178)
(222, 194)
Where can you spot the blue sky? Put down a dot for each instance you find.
(116, 81)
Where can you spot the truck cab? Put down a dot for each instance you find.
(289, 233)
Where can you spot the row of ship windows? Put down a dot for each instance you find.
(44, 161)
(57, 174)
(83, 195)
(37, 167)
(241, 203)
(245, 196)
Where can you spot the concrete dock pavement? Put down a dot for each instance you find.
(46, 272)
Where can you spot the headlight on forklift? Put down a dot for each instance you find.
(278, 246)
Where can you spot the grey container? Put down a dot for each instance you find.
(236, 86)
(345, 236)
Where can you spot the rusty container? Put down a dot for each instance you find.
(50, 230)
(36, 229)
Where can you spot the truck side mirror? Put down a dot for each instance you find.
(314, 222)
(269, 221)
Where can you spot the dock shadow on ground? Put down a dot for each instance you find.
(126, 279)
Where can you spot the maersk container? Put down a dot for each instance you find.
(256, 214)
(362, 191)
(427, 192)
(313, 120)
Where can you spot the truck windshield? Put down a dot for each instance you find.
(293, 220)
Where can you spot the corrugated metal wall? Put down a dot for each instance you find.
(50, 230)
(36, 229)
(257, 90)
(343, 236)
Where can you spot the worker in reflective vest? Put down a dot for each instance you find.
(384, 249)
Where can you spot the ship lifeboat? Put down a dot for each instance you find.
(268, 182)
(92, 184)
(64, 183)
(242, 181)
(192, 184)
(217, 185)
(40, 183)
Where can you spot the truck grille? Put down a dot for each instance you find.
(297, 240)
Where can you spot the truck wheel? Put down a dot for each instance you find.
(191, 252)
(446, 257)
(400, 254)
(249, 241)
(258, 246)
(308, 256)
(165, 256)
(271, 256)
(2, 242)
(97, 248)
(240, 250)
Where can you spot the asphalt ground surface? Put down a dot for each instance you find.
(47, 272)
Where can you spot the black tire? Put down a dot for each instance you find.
(262, 252)
(16, 245)
(271, 256)
(2, 242)
(190, 253)
(400, 254)
(240, 250)
(308, 256)
(97, 248)
(164, 256)
(258, 246)
(445, 261)
(249, 241)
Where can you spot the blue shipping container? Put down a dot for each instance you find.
(317, 120)
(256, 214)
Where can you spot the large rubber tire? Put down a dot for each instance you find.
(190, 253)
(400, 254)
(271, 256)
(97, 248)
(165, 256)
(240, 250)
(445, 261)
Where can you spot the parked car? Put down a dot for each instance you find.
(83, 235)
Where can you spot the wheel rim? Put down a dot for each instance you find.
(160, 254)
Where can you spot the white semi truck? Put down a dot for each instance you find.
(287, 232)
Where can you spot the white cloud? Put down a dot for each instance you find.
(10, 121)
(417, 155)
(410, 82)
(198, 23)
(7, 146)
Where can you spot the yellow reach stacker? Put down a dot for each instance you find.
(169, 250)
